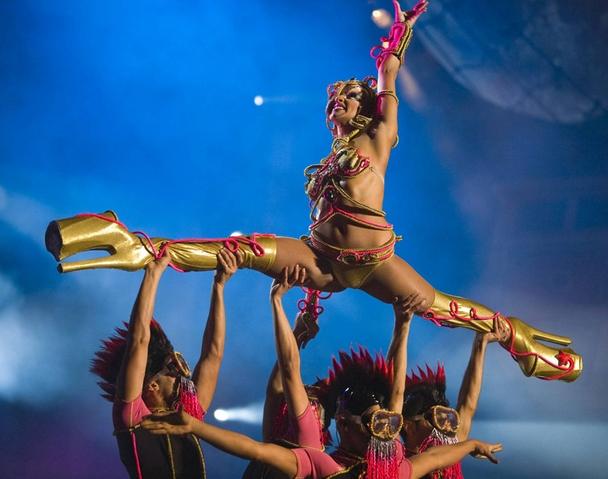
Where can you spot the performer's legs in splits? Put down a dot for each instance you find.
(391, 280)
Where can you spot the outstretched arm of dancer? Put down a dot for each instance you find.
(440, 457)
(303, 332)
(288, 353)
(389, 63)
(397, 351)
(131, 378)
(230, 442)
(207, 368)
(470, 388)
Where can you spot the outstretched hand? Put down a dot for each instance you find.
(484, 450)
(305, 329)
(501, 332)
(174, 422)
(406, 308)
(227, 264)
(411, 16)
(159, 265)
(287, 280)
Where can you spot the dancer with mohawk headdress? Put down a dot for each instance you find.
(428, 419)
(142, 373)
(363, 393)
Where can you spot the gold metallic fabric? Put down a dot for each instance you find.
(534, 357)
(130, 252)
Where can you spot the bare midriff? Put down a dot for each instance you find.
(368, 188)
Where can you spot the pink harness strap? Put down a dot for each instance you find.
(136, 455)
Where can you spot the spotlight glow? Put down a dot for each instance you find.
(250, 414)
(221, 415)
(258, 100)
(381, 18)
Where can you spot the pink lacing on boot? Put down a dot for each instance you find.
(565, 360)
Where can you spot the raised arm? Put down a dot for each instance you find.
(231, 442)
(207, 368)
(131, 378)
(303, 331)
(440, 457)
(288, 354)
(470, 388)
(389, 57)
(397, 351)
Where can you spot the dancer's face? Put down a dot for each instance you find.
(415, 431)
(353, 431)
(168, 388)
(345, 105)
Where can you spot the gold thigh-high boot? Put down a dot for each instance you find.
(130, 251)
(534, 358)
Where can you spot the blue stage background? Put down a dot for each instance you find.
(499, 186)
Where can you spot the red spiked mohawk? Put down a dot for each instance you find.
(367, 379)
(426, 377)
(108, 359)
(423, 390)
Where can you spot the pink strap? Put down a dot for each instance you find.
(136, 455)
(310, 304)
(332, 210)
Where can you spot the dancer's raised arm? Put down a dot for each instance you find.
(397, 352)
(288, 353)
(389, 57)
(470, 388)
(303, 330)
(207, 368)
(133, 370)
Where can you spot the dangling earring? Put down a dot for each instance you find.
(331, 126)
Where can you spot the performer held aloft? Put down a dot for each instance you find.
(368, 432)
(428, 419)
(351, 244)
(142, 373)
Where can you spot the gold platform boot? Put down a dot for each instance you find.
(128, 251)
(534, 358)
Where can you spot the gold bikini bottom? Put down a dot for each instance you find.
(352, 267)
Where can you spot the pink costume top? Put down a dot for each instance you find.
(313, 463)
(290, 430)
(127, 415)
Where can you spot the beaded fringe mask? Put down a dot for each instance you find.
(188, 399)
(437, 438)
(381, 458)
